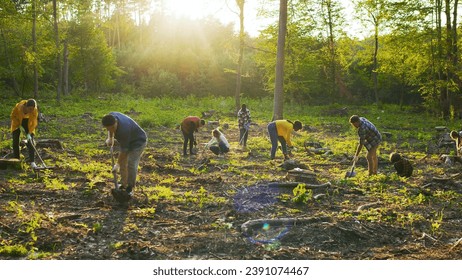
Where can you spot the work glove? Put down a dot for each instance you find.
(29, 138)
(110, 141)
(115, 168)
(247, 126)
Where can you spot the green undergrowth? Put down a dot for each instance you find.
(76, 122)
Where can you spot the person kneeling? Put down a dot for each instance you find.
(218, 144)
(403, 166)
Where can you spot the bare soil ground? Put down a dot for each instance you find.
(194, 207)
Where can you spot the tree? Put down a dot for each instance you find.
(34, 46)
(280, 56)
(58, 53)
(237, 96)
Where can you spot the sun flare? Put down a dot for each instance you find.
(192, 9)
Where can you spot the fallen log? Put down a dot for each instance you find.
(251, 225)
(368, 205)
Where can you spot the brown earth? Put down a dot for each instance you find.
(206, 199)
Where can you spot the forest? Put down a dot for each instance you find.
(81, 59)
(407, 54)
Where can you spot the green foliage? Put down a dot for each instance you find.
(97, 227)
(301, 194)
(16, 250)
(55, 183)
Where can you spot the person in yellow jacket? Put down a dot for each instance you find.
(280, 130)
(24, 117)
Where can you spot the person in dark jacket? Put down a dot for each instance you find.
(457, 137)
(189, 125)
(403, 166)
(132, 141)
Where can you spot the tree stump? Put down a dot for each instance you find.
(302, 175)
(12, 163)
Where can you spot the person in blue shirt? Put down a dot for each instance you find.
(370, 138)
(132, 141)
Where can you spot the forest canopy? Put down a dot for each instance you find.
(408, 53)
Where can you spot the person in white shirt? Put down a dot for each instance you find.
(218, 144)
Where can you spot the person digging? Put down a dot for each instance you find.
(24, 119)
(189, 126)
(280, 131)
(132, 140)
(370, 138)
(244, 120)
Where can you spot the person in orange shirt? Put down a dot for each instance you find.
(24, 117)
(190, 125)
(280, 130)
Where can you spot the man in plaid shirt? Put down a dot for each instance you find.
(370, 138)
(244, 120)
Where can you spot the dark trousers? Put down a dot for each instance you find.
(16, 135)
(188, 137)
(220, 149)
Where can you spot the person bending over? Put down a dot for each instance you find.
(24, 118)
(132, 140)
(189, 126)
(280, 131)
(370, 138)
(403, 166)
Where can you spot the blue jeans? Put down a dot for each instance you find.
(220, 149)
(273, 134)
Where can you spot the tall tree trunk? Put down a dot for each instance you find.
(279, 80)
(375, 66)
(34, 46)
(58, 53)
(237, 95)
(445, 91)
(65, 69)
(332, 58)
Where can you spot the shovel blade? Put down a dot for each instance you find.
(350, 174)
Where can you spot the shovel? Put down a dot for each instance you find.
(116, 184)
(352, 172)
(119, 194)
(43, 165)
